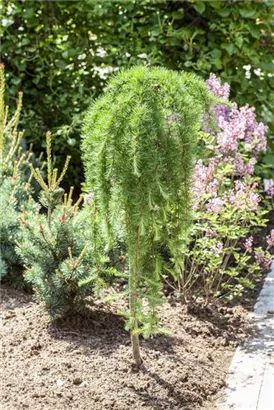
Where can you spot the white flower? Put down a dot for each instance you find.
(7, 22)
(247, 67)
(143, 55)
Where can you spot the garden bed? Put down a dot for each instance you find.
(134, 233)
(86, 363)
(82, 363)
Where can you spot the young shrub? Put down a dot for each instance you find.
(14, 185)
(139, 142)
(54, 247)
(219, 262)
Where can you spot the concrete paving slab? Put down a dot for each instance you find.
(266, 396)
(250, 382)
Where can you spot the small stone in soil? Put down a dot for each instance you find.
(77, 381)
(60, 382)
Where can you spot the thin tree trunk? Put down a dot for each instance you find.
(133, 306)
(136, 350)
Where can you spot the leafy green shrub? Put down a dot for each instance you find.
(54, 48)
(139, 141)
(54, 246)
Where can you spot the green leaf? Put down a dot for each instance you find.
(177, 15)
(216, 53)
(269, 159)
(188, 64)
(25, 41)
(16, 81)
(224, 12)
(247, 13)
(62, 64)
(199, 6)
(36, 80)
(239, 41)
(268, 66)
(65, 54)
(230, 48)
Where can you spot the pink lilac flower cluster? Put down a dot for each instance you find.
(248, 244)
(203, 176)
(236, 124)
(238, 143)
(217, 88)
(270, 238)
(215, 205)
(217, 249)
(222, 91)
(211, 234)
(204, 173)
(242, 168)
(269, 186)
(243, 197)
(262, 259)
(241, 126)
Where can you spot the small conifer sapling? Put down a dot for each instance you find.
(139, 143)
(54, 246)
(15, 185)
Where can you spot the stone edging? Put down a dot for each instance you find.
(250, 381)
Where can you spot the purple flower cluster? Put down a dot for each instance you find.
(215, 205)
(211, 234)
(236, 124)
(269, 186)
(217, 249)
(262, 259)
(248, 244)
(242, 168)
(243, 197)
(241, 126)
(217, 88)
(239, 141)
(226, 198)
(203, 181)
(270, 239)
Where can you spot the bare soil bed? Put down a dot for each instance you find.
(85, 363)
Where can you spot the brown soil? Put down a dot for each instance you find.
(86, 363)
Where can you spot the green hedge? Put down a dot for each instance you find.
(62, 52)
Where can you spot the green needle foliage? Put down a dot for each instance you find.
(54, 246)
(57, 258)
(15, 185)
(139, 144)
(52, 193)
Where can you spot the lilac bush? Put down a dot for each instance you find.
(219, 261)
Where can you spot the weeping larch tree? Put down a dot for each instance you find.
(139, 144)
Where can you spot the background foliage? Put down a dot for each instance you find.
(62, 52)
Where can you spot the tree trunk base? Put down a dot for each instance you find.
(136, 350)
